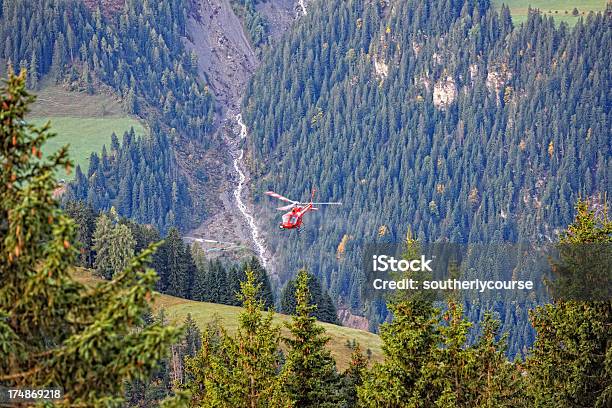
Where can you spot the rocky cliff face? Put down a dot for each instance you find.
(280, 14)
(106, 6)
(225, 57)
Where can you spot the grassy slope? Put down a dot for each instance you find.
(177, 309)
(85, 122)
(555, 8)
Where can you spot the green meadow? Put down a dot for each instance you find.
(176, 310)
(203, 313)
(82, 121)
(561, 10)
(85, 135)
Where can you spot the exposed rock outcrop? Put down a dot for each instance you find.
(225, 56)
(444, 92)
(381, 68)
(497, 78)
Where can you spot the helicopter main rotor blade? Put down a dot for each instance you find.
(285, 208)
(336, 203)
(280, 197)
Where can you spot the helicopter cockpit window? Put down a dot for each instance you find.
(293, 220)
(286, 218)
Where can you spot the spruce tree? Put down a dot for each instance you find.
(216, 273)
(180, 267)
(192, 337)
(200, 289)
(122, 247)
(407, 344)
(235, 275)
(258, 342)
(429, 361)
(261, 277)
(325, 311)
(53, 330)
(102, 240)
(570, 363)
(85, 218)
(239, 371)
(33, 72)
(114, 245)
(353, 376)
(311, 379)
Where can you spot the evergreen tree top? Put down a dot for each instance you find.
(304, 323)
(591, 225)
(53, 330)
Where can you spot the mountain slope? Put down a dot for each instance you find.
(138, 53)
(442, 118)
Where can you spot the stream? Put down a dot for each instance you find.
(237, 156)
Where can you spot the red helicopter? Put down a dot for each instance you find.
(293, 219)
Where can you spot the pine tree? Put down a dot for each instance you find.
(113, 244)
(311, 378)
(219, 281)
(498, 381)
(429, 362)
(200, 282)
(208, 372)
(407, 343)
(33, 72)
(261, 277)
(258, 342)
(54, 331)
(58, 59)
(235, 276)
(353, 376)
(131, 104)
(192, 337)
(325, 311)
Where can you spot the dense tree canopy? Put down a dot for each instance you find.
(139, 178)
(139, 54)
(184, 271)
(440, 116)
